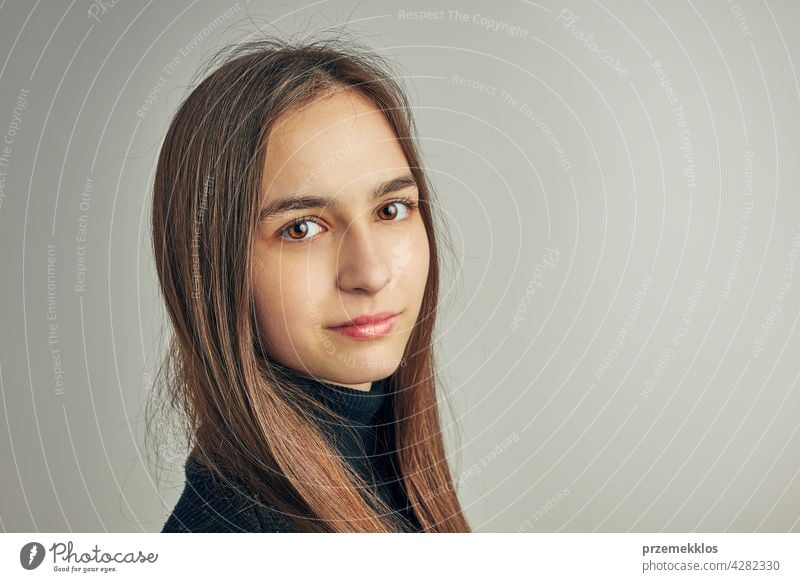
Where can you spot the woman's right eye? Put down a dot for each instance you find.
(298, 229)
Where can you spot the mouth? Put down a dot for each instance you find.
(368, 327)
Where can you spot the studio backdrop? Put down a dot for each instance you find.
(618, 319)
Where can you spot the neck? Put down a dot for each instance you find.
(365, 387)
(358, 402)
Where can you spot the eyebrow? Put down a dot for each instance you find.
(284, 205)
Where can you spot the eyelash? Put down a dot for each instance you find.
(410, 202)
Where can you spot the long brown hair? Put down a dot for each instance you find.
(240, 414)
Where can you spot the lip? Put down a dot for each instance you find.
(368, 327)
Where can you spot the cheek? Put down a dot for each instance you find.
(284, 293)
(419, 261)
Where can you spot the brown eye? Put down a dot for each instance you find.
(390, 210)
(297, 230)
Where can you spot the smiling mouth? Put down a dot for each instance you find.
(368, 328)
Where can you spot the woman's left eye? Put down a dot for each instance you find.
(393, 209)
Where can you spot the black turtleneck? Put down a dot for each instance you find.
(364, 440)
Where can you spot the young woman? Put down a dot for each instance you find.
(295, 248)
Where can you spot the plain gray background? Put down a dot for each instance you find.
(618, 337)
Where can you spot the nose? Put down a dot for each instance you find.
(363, 263)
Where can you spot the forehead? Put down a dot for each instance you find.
(330, 144)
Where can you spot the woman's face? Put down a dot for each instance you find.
(335, 243)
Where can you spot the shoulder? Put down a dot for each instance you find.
(208, 504)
